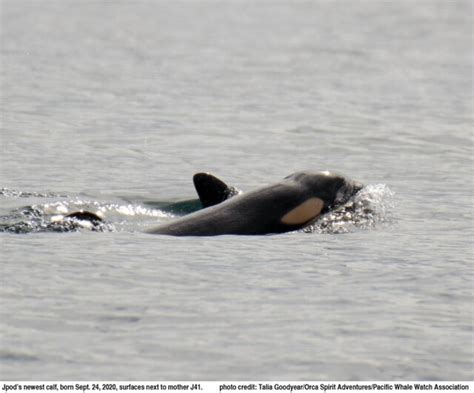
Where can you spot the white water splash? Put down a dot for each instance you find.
(370, 207)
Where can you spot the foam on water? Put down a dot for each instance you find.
(369, 208)
(52, 215)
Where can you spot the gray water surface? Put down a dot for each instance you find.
(120, 103)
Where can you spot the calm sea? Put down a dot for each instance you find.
(116, 105)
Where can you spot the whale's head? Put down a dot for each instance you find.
(332, 188)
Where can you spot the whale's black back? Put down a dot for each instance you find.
(254, 213)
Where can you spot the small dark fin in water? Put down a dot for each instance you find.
(85, 216)
(212, 190)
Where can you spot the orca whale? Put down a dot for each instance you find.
(288, 205)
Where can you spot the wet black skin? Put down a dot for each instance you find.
(212, 190)
(260, 212)
(85, 216)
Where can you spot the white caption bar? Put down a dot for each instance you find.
(233, 386)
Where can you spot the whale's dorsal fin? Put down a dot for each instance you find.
(212, 190)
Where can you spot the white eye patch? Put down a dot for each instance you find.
(304, 212)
